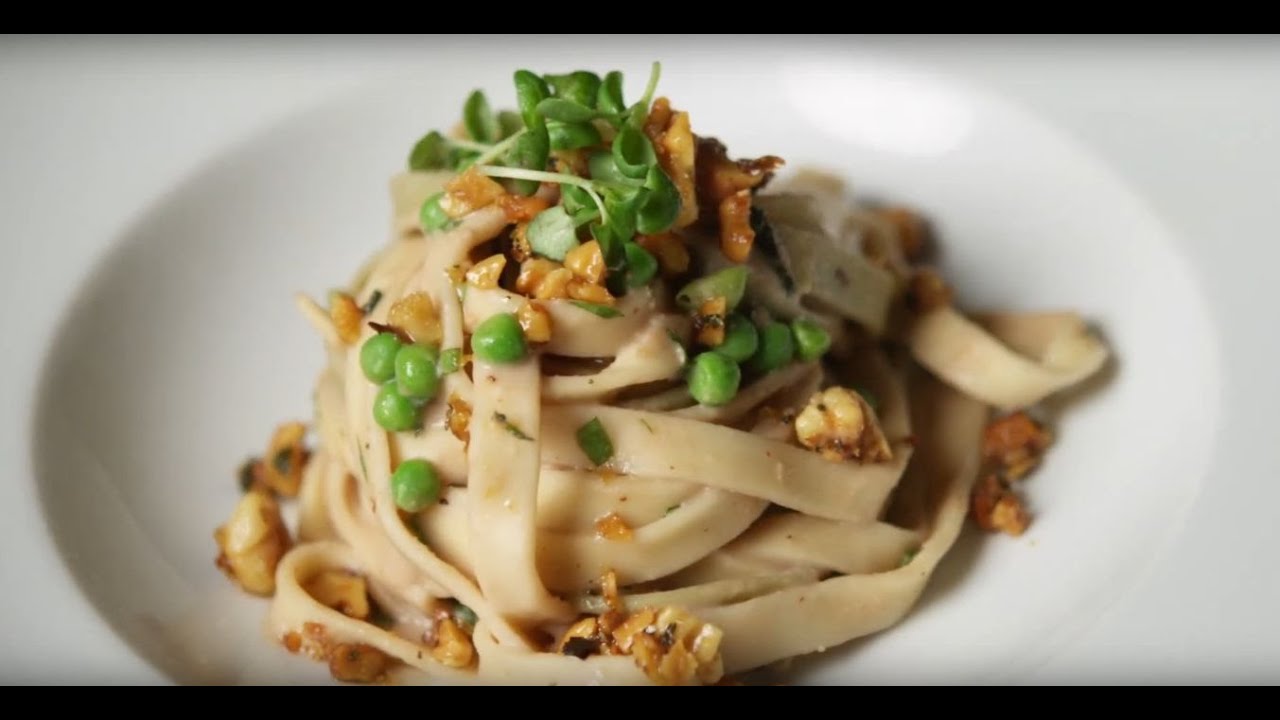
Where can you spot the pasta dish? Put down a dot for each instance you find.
(612, 407)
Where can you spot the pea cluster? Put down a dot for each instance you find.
(715, 375)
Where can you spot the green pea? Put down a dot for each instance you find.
(740, 339)
(378, 357)
(416, 371)
(415, 485)
(776, 348)
(812, 342)
(432, 215)
(714, 378)
(393, 411)
(641, 265)
(499, 339)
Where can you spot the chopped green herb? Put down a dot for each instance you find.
(596, 309)
(647, 426)
(364, 472)
(730, 284)
(908, 556)
(372, 302)
(671, 509)
(450, 361)
(595, 442)
(464, 615)
(509, 426)
(812, 342)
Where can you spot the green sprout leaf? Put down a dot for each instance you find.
(479, 119)
(551, 233)
(430, 153)
(633, 153)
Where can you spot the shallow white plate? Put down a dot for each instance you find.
(181, 350)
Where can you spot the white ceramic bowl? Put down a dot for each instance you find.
(183, 350)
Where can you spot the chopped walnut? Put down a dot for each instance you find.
(1015, 444)
(453, 646)
(709, 322)
(672, 646)
(609, 590)
(340, 590)
(358, 663)
(840, 425)
(346, 316)
(670, 251)
(613, 527)
(416, 315)
(997, 509)
(252, 542)
(926, 291)
(587, 292)
(520, 209)
(674, 144)
(469, 192)
(520, 250)
(911, 230)
(532, 272)
(485, 274)
(457, 416)
(736, 233)
(285, 460)
(535, 321)
(586, 262)
(554, 284)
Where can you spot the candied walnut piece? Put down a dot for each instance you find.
(416, 315)
(613, 527)
(670, 251)
(286, 459)
(1015, 444)
(709, 322)
(911, 230)
(587, 292)
(736, 233)
(358, 663)
(346, 316)
(252, 542)
(926, 291)
(669, 644)
(554, 285)
(340, 590)
(840, 424)
(586, 262)
(469, 192)
(676, 148)
(457, 416)
(997, 509)
(485, 274)
(453, 646)
(535, 321)
(532, 272)
(521, 209)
